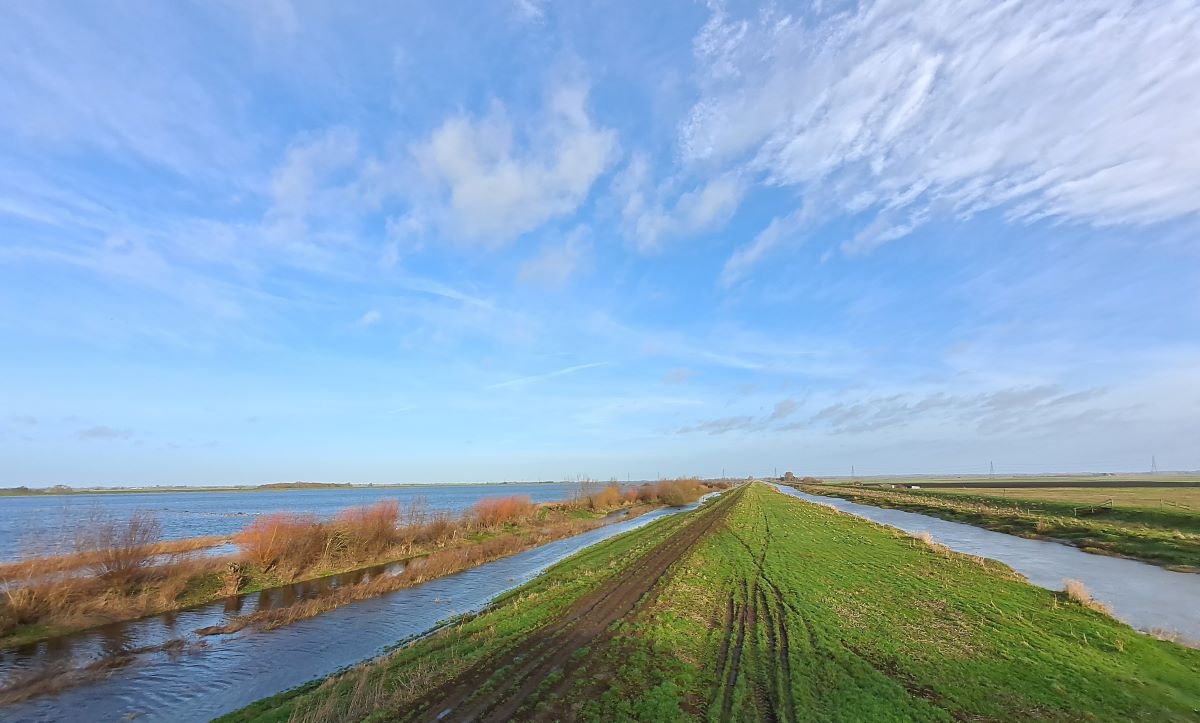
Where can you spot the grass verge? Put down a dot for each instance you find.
(381, 689)
(1166, 537)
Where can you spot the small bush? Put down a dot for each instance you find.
(368, 531)
(118, 548)
(679, 492)
(606, 498)
(438, 529)
(493, 511)
(1078, 592)
(284, 540)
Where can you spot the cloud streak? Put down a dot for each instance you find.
(524, 381)
(906, 112)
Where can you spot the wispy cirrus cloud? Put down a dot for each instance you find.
(523, 381)
(557, 262)
(938, 109)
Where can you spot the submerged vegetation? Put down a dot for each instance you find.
(770, 608)
(1166, 533)
(121, 570)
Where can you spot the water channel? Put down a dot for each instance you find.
(1144, 596)
(219, 674)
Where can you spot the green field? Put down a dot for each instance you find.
(783, 610)
(1183, 503)
(1142, 479)
(1159, 525)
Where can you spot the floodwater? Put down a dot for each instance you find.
(1142, 595)
(44, 524)
(202, 681)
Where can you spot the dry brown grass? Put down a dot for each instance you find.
(36, 565)
(932, 544)
(137, 577)
(130, 577)
(418, 570)
(79, 602)
(1078, 592)
(120, 548)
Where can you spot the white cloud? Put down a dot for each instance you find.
(1080, 111)
(318, 193)
(555, 264)
(645, 215)
(745, 257)
(495, 182)
(110, 79)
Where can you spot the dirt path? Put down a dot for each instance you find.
(549, 650)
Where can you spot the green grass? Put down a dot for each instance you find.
(880, 626)
(1166, 506)
(1031, 481)
(385, 685)
(1169, 537)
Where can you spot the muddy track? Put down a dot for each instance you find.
(770, 680)
(474, 696)
(784, 655)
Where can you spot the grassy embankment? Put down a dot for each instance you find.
(120, 575)
(1160, 526)
(796, 612)
(385, 686)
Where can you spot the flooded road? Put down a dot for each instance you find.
(201, 681)
(1144, 596)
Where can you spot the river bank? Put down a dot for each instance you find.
(197, 681)
(789, 610)
(1168, 537)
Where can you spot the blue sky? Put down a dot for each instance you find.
(248, 242)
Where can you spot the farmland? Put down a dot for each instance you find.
(760, 606)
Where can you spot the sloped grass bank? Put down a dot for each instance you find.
(1166, 537)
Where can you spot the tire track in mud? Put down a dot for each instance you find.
(467, 697)
(771, 680)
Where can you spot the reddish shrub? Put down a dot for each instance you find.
(436, 530)
(282, 539)
(679, 492)
(492, 511)
(606, 498)
(368, 531)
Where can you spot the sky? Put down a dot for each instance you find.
(246, 242)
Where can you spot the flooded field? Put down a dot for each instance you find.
(199, 678)
(45, 524)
